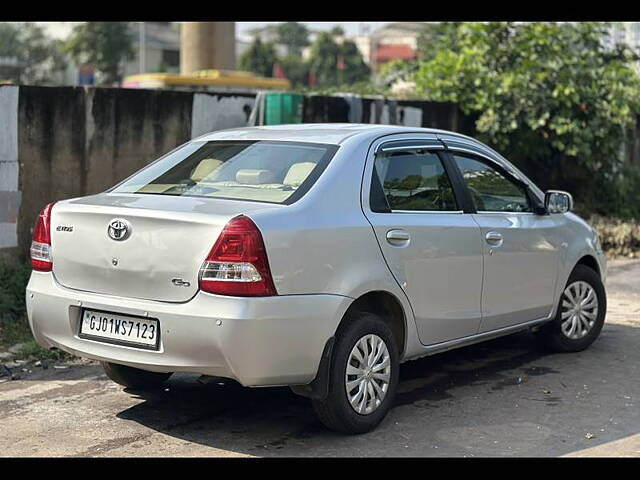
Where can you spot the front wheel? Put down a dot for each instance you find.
(363, 377)
(134, 377)
(580, 315)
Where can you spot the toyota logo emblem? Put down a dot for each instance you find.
(119, 229)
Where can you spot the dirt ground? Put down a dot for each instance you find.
(500, 398)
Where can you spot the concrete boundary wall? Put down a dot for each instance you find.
(65, 142)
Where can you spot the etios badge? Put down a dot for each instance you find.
(119, 229)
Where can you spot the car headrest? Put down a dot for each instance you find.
(252, 176)
(298, 172)
(204, 168)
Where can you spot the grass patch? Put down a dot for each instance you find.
(14, 326)
(31, 349)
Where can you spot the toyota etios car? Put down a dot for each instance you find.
(316, 256)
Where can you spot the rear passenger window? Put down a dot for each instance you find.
(415, 181)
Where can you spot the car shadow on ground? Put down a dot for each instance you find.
(275, 421)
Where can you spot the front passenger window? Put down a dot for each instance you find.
(415, 180)
(490, 189)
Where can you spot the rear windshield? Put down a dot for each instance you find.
(262, 171)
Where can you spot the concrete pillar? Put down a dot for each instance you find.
(205, 45)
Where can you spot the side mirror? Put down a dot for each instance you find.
(557, 201)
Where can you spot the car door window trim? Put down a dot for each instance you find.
(382, 148)
(493, 161)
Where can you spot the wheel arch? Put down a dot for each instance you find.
(379, 302)
(589, 261)
(387, 306)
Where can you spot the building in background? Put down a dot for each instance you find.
(395, 41)
(156, 47)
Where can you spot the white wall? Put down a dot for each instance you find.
(9, 193)
(212, 112)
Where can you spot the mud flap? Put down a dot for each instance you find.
(318, 389)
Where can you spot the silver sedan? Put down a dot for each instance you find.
(316, 256)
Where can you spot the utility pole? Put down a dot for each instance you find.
(207, 45)
(143, 49)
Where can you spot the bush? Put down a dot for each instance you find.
(619, 238)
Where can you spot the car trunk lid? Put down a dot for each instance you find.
(158, 259)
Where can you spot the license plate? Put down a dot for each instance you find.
(120, 329)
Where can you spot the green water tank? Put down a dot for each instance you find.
(282, 108)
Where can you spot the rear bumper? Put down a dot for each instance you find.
(259, 342)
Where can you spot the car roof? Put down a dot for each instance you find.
(332, 133)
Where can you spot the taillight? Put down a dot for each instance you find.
(41, 259)
(237, 264)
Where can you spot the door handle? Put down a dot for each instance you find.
(494, 239)
(397, 236)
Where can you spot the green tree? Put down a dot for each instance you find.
(549, 95)
(296, 69)
(105, 45)
(29, 55)
(354, 69)
(337, 64)
(324, 59)
(259, 58)
(433, 35)
(295, 36)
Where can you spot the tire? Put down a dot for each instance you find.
(552, 334)
(134, 377)
(336, 411)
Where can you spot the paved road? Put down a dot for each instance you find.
(501, 398)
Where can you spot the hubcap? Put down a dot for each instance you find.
(368, 374)
(579, 310)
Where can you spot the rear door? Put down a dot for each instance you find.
(521, 248)
(432, 247)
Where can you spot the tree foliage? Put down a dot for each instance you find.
(296, 69)
(324, 58)
(549, 95)
(336, 63)
(104, 45)
(259, 58)
(293, 35)
(333, 61)
(354, 69)
(38, 59)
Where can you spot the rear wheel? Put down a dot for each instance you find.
(134, 377)
(363, 376)
(580, 315)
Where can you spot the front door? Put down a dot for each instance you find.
(520, 247)
(432, 247)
